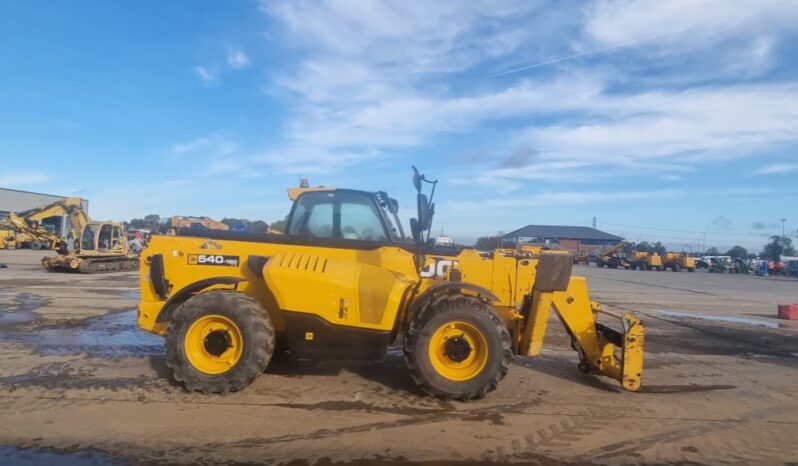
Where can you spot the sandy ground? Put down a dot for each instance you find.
(79, 384)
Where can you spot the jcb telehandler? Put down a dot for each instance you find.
(343, 281)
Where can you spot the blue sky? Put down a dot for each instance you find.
(665, 120)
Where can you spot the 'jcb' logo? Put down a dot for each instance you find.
(438, 269)
(212, 259)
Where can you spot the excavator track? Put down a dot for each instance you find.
(104, 265)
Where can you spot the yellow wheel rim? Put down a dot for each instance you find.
(213, 344)
(458, 350)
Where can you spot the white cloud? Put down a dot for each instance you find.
(777, 168)
(236, 58)
(207, 75)
(555, 198)
(375, 78)
(213, 144)
(11, 178)
(686, 24)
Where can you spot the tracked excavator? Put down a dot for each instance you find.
(99, 246)
(344, 281)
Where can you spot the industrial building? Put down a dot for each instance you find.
(575, 239)
(14, 200)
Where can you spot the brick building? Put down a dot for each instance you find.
(574, 239)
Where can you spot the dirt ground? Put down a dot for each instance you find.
(80, 384)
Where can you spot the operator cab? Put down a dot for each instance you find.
(345, 214)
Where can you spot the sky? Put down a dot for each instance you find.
(667, 121)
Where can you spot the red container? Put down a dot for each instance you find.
(788, 311)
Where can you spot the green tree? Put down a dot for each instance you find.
(149, 222)
(643, 247)
(713, 251)
(659, 248)
(259, 226)
(777, 247)
(737, 252)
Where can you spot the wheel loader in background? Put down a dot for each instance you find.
(642, 260)
(678, 261)
(344, 281)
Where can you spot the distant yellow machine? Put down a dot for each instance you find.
(344, 281)
(102, 248)
(99, 246)
(677, 261)
(181, 221)
(612, 257)
(645, 261)
(7, 239)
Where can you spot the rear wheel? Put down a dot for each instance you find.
(219, 341)
(458, 347)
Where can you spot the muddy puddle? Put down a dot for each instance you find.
(21, 309)
(717, 318)
(112, 335)
(47, 456)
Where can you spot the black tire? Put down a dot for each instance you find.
(476, 313)
(691, 269)
(257, 334)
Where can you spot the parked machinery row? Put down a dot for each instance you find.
(615, 257)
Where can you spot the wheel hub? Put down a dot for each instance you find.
(457, 348)
(217, 342)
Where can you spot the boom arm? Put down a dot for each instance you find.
(29, 221)
(616, 354)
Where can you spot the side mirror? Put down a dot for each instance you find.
(417, 177)
(424, 212)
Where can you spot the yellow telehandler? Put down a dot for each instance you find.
(344, 281)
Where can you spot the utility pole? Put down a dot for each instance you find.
(783, 239)
(594, 222)
(705, 243)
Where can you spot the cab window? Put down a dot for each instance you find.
(338, 214)
(87, 239)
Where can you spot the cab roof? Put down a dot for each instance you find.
(294, 193)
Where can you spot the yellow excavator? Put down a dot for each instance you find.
(99, 246)
(29, 230)
(344, 281)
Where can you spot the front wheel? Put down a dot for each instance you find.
(219, 341)
(459, 348)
